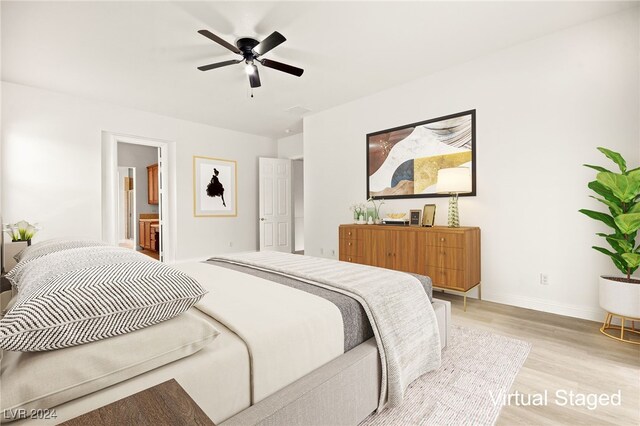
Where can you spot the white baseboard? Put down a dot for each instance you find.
(576, 311)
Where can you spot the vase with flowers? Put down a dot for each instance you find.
(376, 209)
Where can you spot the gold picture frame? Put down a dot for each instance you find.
(428, 215)
(215, 187)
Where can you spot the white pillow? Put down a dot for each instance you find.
(81, 295)
(41, 380)
(52, 246)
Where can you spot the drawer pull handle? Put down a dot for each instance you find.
(349, 233)
(349, 259)
(349, 243)
(442, 239)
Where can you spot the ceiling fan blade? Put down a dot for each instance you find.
(254, 77)
(275, 39)
(219, 64)
(289, 69)
(211, 36)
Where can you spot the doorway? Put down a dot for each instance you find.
(144, 219)
(143, 161)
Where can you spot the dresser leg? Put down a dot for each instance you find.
(480, 291)
(465, 301)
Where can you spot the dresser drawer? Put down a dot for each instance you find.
(445, 257)
(351, 247)
(445, 239)
(446, 278)
(351, 259)
(350, 233)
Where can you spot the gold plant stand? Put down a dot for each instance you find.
(625, 334)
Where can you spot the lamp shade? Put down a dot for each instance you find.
(456, 180)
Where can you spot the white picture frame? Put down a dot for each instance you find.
(215, 187)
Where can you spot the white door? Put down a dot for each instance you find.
(163, 226)
(275, 204)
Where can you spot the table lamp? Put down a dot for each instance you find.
(454, 181)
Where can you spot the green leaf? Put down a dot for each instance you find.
(602, 217)
(620, 245)
(600, 189)
(615, 257)
(598, 168)
(624, 188)
(615, 157)
(613, 206)
(628, 223)
(632, 259)
(635, 208)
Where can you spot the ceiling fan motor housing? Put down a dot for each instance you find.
(246, 46)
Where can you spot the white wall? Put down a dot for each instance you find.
(51, 167)
(297, 176)
(290, 147)
(542, 109)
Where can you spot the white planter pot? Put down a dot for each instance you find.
(620, 298)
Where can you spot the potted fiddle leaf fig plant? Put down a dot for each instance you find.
(620, 194)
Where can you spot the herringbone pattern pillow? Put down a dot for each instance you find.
(81, 295)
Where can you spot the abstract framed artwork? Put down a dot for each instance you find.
(215, 187)
(403, 162)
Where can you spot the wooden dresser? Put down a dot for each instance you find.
(450, 256)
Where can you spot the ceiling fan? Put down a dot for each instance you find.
(251, 51)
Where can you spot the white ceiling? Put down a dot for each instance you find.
(144, 54)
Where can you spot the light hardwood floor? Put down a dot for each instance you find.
(567, 354)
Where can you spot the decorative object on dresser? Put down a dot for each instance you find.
(449, 256)
(165, 404)
(20, 234)
(415, 218)
(429, 215)
(376, 210)
(215, 188)
(403, 162)
(152, 184)
(619, 296)
(454, 181)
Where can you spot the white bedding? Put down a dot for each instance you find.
(216, 377)
(288, 332)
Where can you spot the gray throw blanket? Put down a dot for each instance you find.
(400, 313)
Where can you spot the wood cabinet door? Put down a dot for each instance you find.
(152, 184)
(404, 249)
(141, 234)
(377, 252)
(147, 235)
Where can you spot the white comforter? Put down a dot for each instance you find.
(288, 332)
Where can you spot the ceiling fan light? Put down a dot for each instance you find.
(249, 68)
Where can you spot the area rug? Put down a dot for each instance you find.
(478, 369)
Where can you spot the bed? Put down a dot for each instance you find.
(284, 354)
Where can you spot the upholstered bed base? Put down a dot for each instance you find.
(342, 392)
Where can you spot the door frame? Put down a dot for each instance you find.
(135, 210)
(167, 189)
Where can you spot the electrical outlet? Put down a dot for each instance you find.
(321, 251)
(544, 279)
(230, 243)
(333, 253)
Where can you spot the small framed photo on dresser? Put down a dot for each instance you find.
(414, 217)
(429, 215)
